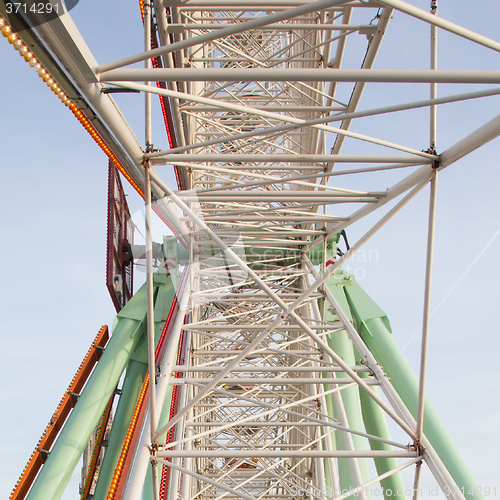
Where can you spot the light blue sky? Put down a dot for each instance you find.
(53, 203)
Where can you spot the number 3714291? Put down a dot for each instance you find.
(35, 7)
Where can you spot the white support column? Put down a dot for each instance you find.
(433, 96)
(427, 307)
(150, 302)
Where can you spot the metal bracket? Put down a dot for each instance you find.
(98, 350)
(74, 398)
(45, 454)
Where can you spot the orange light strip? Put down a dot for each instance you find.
(18, 44)
(128, 441)
(103, 423)
(141, 6)
(102, 144)
(59, 417)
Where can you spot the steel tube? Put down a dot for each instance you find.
(256, 424)
(147, 66)
(427, 307)
(285, 107)
(150, 302)
(290, 158)
(235, 381)
(433, 94)
(278, 218)
(289, 453)
(297, 75)
(290, 198)
(274, 27)
(417, 180)
(264, 5)
(270, 369)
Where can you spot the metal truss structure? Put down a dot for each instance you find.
(274, 373)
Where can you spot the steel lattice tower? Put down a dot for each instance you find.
(275, 375)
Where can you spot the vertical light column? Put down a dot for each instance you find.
(149, 252)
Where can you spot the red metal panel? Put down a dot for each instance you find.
(119, 260)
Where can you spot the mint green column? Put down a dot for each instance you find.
(343, 346)
(333, 439)
(68, 448)
(147, 492)
(376, 424)
(374, 328)
(132, 384)
(163, 304)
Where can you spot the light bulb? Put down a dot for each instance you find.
(18, 44)
(12, 38)
(34, 63)
(28, 56)
(6, 30)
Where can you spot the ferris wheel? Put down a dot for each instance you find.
(252, 363)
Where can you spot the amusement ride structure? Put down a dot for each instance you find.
(250, 364)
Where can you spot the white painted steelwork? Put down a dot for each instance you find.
(253, 90)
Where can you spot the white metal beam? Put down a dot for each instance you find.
(296, 75)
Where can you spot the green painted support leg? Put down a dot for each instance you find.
(342, 345)
(374, 328)
(134, 378)
(69, 447)
(376, 424)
